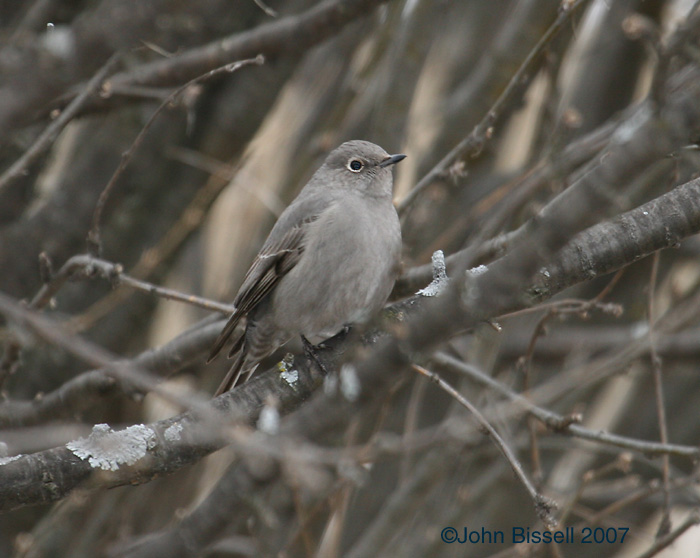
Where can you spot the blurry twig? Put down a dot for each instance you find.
(43, 142)
(524, 363)
(226, 172)
(10, 359)
(93, 239)
(661, 223)
(475, 140)
(55, 333)
(190, 218)
(34, 18)
(568, 306)
(622, 464)
(664, 542)
(86, 389)
(89, 266)
(543, 505)
(665, 524)
(565, 425)
(638, 495)
(411, 423)
(297, 33)
(575, 154)
(265, 8)
(679, 40)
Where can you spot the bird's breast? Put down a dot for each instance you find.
(346, 272)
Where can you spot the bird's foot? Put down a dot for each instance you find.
(312, 354)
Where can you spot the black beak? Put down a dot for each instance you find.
(392, 160)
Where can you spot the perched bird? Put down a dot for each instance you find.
(330, 260)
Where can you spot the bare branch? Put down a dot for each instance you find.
(475, 140)
(48, 136)
(543, 505)
(566, 425)
(93, 239)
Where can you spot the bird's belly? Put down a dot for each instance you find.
(352, 284)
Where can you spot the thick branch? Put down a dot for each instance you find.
(50, 475)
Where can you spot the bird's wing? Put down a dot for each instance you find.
(277, 257)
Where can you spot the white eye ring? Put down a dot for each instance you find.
(355, 165)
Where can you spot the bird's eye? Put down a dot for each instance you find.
(355, 165)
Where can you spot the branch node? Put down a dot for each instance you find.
(46, 271)
(561, 425)
(114, 274)
(544, 507)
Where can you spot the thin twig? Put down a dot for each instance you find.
(93, 239)
(172, 294)
(10, 359)
(56, 334)
(685, 32)
(543, 505)
(567, 306)
(562, 424)
(226, 172)
(475, 140)
(411, 424)
(621, 463)
(610, 286)
(665, 524)
(47, 137)
(632, 499)
(265, 8)
(87, 389)
(525, 362)
(525, 366)
(90, 267)
(190, 218)
(33, 19)
(664, 542)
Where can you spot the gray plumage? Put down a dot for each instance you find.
(330, 260)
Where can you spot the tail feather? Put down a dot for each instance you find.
(224, 336)
(257, 342)
(233, 374)
(238, 346)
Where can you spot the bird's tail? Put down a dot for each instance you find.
(234, 373)
(254, 344)
(224, 336)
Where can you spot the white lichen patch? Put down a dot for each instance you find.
(478, 270)
(349, 383)
(639, 330)
(6, 460)
(287, 371)
(290, 376)
(269, 420)
(106, 449)
(632, 126)
(440, 278)
(172, 433)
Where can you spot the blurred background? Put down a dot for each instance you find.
(217, 166)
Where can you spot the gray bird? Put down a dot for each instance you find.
(330, 260)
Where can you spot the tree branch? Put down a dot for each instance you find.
(291, 34)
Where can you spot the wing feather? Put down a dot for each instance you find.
(273, 262)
